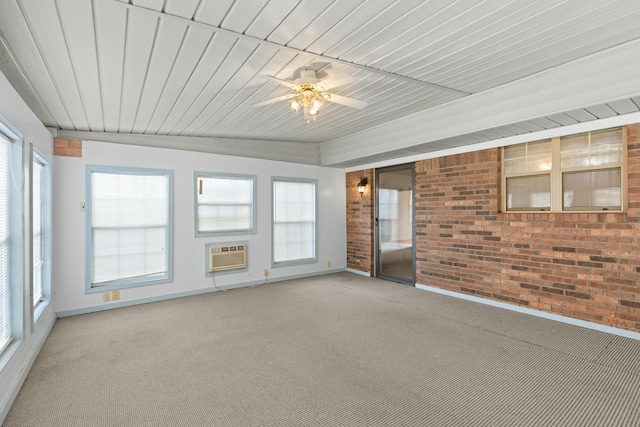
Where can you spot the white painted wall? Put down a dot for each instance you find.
(189, 251)
(15, 113)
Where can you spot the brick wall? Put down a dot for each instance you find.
(360, 222)
(579, 265)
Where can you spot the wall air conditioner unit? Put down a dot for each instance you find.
(227, 257)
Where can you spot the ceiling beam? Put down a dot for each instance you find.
(290, 49)
(296, 152)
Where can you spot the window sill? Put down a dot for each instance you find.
(126, 284)
(304, 261)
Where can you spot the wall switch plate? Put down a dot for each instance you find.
(115, 295)
(106, 296)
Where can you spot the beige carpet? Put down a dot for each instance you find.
(337, 350)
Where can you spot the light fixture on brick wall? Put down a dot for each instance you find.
(362, 185)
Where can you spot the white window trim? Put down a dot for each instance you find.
(301, 261)
(38, 309)
(555, 176)
(125, 283)
(252, 178)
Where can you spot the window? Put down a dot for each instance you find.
(581, 172)
(224, 204)
(129, 227)
(294, 221)
(10, 238)
(41, 234)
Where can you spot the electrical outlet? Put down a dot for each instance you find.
(328, 264)
(115, 295)
(266, 272)
(106, 296)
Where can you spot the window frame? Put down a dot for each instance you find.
(16, 202)
(125, 283)
(45, 243)
(556, 174)
(253, 209)
(300, 261)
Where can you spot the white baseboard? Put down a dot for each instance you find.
(536, 313)
(362, 273)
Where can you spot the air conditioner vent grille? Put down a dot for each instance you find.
(227, 257)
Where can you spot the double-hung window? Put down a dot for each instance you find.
(225, 204)
(293, 221)
(41, 234)
(10, 240)
(129, 227)
(582, 172)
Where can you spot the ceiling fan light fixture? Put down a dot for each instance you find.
(295, 104)
(310, 94)
(317, 102)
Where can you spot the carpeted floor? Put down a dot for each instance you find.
(336, 350)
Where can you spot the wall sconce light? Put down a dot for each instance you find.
(362, 186)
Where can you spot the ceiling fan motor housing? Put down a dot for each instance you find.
(307, 77)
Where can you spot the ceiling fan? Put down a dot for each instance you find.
(310, 93)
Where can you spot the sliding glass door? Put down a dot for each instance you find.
(394, 224)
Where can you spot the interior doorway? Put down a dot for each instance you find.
(394, 224)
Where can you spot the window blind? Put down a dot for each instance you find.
(36, 205)
(129, 226)
(294, 220)
(5, 278)
(225, 204)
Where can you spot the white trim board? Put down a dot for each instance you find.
(536, 313)
(592, 125)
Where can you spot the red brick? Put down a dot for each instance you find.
(465, 244)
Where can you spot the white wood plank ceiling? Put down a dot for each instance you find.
(192, 69)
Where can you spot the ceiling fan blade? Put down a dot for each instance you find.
(281, 82)
(349, 102)
(273, 100)
(335, 81)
